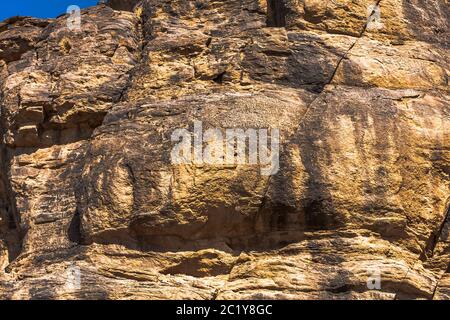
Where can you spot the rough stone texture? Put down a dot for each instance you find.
(363, 186)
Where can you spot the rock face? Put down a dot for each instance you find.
(92, 205)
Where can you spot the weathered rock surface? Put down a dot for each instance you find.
(358, 90)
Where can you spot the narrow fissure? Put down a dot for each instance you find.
(361, 34)
(74, 231)
(276, 13)
(434, 238)
(12, 236)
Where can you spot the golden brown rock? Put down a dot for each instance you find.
(359, 208)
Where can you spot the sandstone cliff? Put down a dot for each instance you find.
(359, 90)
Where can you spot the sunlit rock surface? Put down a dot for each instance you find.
(92, 207)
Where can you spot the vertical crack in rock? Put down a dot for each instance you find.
(139, 12)
(428, 252)
(76, 229)
(435, 237)
(8, 201)
(361, 34)
(276, 13)
(18, 38)
(438, 282)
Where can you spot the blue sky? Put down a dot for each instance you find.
(39, 8)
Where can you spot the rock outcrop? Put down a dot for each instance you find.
(93, 207)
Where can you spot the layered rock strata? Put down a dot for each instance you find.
(359, 208)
